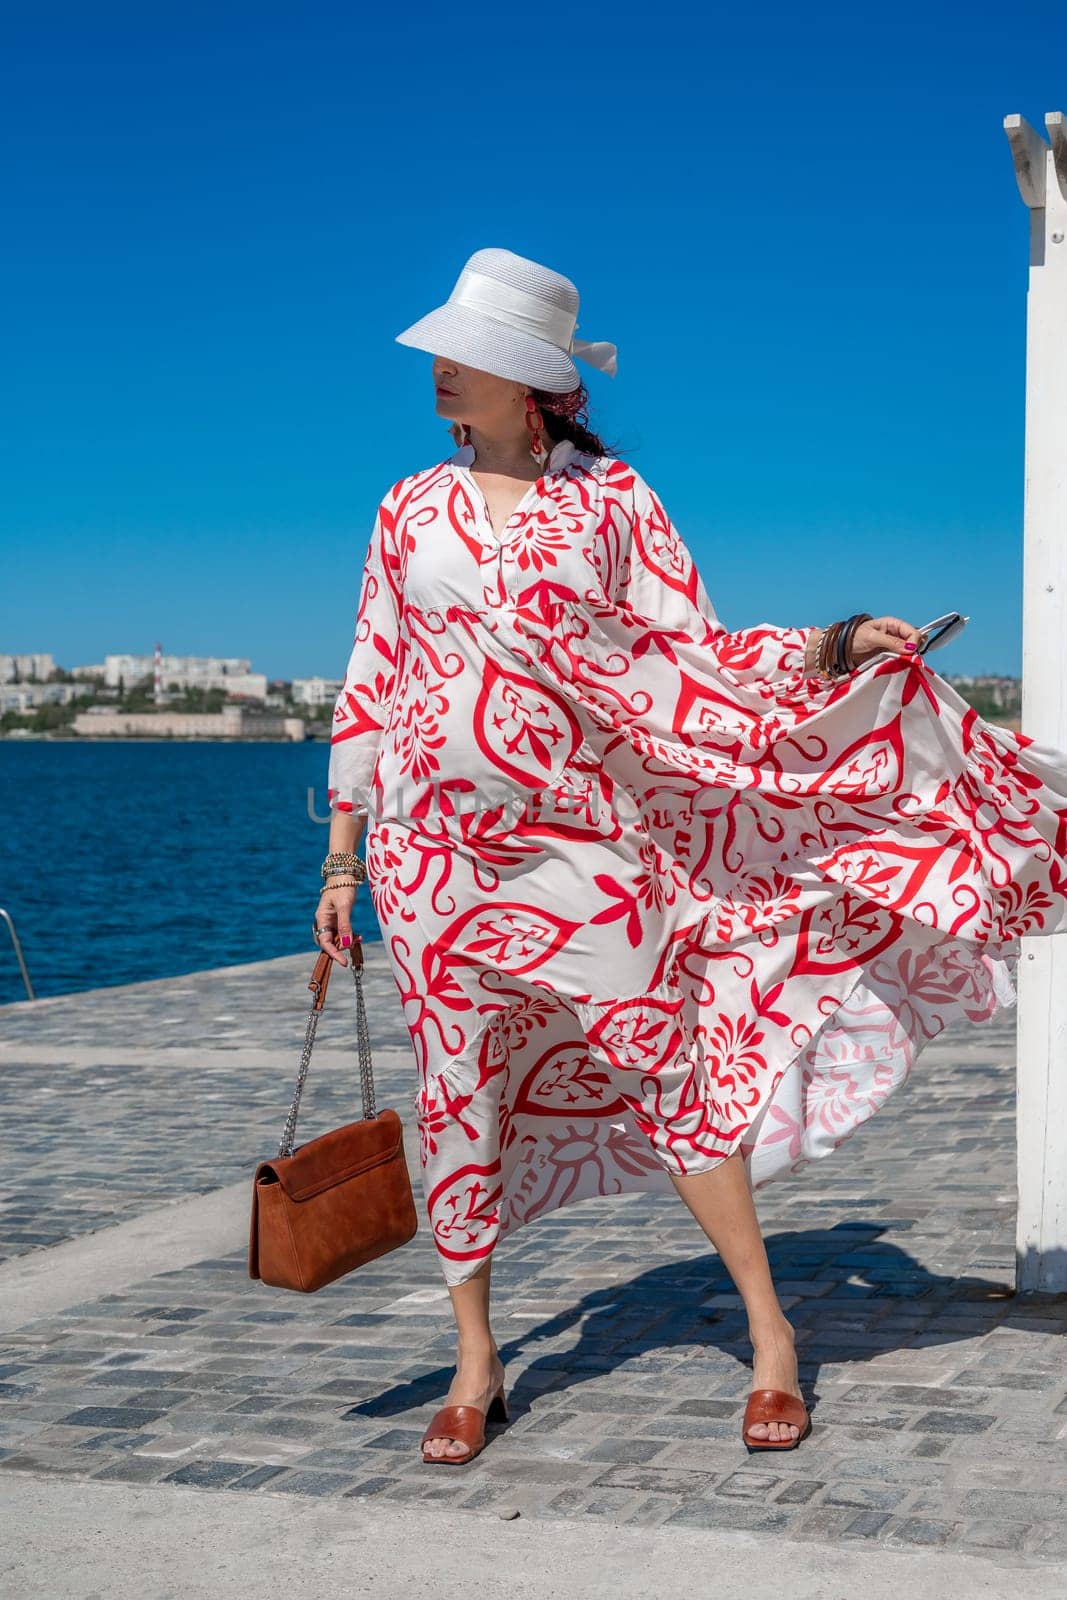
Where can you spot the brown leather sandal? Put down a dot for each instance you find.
(774, 1405)
(467, 1425)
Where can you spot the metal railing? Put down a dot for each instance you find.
(18, 952)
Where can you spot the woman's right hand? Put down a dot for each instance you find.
(335, 915)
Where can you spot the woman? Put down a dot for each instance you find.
(668, 907)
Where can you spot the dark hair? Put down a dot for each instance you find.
(566, 417)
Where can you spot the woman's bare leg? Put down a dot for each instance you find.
(721, 1201)
(479, 1369)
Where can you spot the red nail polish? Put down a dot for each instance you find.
(910, 647)
(345, 941)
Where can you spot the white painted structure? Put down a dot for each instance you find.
(231, 673)
(26, 668)
(316, 691)
(233, 722)
(25, 697)
(1041, 172)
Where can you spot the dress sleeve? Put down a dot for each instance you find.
(361, 709)
(660, 582)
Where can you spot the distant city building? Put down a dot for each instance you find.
(316, 691)
(28, 668)
(23, 697)
(233, 722)
(229, 673)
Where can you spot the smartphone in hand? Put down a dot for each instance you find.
(931, 637)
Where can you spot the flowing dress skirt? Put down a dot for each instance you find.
(712, 929)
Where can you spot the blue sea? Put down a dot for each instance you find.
(129, 860)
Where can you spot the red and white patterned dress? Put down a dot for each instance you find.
(650, 892)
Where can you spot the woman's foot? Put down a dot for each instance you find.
(478, 1377)
(774, 1366)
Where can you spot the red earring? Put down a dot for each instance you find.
(535, 422)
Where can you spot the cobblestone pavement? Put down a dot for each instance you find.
(940, 1398)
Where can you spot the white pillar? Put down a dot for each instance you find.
(1041, 172)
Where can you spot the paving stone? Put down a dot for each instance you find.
(897, 1394)
(144, 1378)
(1038, 1381)
(485, 1495)
(313, 1483)
(868, 1525)
(207, 1474)
(254, 1404)
(748, 1486)
(112, 1417)
(397, 1439)
(112, 1441)
(662, 1480)
(257, 1478)
(595, 1502)
(1006, 1505)
(906, 1472)
(711, 1408)
(625, 1450)
(616, 1404)
(931, 1447)
(800, 1492)
(920, 1531)
(165, 1399)
(953, 1422)
(875, 1496)
(995, 1535)
(739, 1514)
(1052, 1544)
(132, 1469)
(551, 1422)
(271, 1427)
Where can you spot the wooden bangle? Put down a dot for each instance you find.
(850, 633)
(828, 653)
(840, 659)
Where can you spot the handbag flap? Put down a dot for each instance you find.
(336, 1156)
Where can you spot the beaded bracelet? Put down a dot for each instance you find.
(340, 859)
(326, 888)
(344, 861)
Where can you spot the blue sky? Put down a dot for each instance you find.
(799, 225)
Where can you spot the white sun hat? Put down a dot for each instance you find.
(514, 318)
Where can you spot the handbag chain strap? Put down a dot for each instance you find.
(319, 981)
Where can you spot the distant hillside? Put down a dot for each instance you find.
(995, 699)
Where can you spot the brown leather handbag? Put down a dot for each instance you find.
(343, 1199)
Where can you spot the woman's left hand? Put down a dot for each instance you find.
(884, 633)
